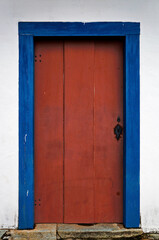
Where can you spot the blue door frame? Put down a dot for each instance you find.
(130, 31)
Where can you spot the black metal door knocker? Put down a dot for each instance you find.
(118, 129)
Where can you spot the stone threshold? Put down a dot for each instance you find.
(77, 232)
(96, 231)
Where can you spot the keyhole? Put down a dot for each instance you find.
(118, 119)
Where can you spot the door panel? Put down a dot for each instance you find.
(108, 158)
(78, 164)
(48, 131)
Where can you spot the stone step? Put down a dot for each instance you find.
(96, 231)
(41, 231)
(75, 232)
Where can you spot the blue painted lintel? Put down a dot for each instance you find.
(79, 28)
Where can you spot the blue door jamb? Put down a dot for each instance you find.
(130, 31)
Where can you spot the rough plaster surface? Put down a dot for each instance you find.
(144, 11)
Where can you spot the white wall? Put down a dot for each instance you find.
(144, 11)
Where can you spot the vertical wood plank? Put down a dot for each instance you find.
(26, 132)
(78, 164)
(108, 156)
(48, 131)
(132, 133)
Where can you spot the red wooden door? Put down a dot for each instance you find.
(78, 160)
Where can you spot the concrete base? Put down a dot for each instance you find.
(2, 233)
(77, 232)
(74, 232)
(41, 231)
(96, 231)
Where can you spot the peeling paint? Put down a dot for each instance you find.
(27, 193)
(25, 137)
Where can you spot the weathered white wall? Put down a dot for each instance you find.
(144, 11)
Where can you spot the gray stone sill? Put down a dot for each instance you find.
(75, 232)
(96, 231)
